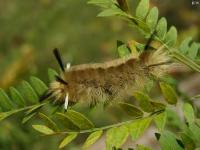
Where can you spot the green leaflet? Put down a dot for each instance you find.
(52, 73)
(197, 121)
(161, 28)
(184, 46)
(188, 113)
(189, 48)
(38, 85)
(67, 140)
(142, 9)
(168, 141)
(79, 120)
(148, 86)
(28, 92)
(188, 142)
(171, 37)
(193, 51)
(185, 60)
(123, 5)
(4, 115)
(112, 12)
(137, 128)
(43, 129)
(17, 97)
(48, 121)
(92, 138)
(152, 18)
(122, 49)
(144, 101)
(34, 108)
(28, 117)
(131, 110)
(195, 132)
(175, 121)
(160, 121)
(102, 3)
(142, 147)
(168, 93)
(66, 122)
(157, 105)
(5, 102)
(115, 137)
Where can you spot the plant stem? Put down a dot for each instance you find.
(195, 97)
(107, 126)
(4, 115)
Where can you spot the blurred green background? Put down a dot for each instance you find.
(31, 29)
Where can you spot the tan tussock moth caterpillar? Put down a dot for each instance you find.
(105, 82)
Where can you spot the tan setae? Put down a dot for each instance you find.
(105, 82)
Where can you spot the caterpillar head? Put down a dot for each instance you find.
(57, 91)
(58, 88)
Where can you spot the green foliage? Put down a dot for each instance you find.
(73, 123)
(160, 121)
(28, 93)
(25, 98)
(122, 49)
(67, 140)
(48, 121)
(6, 104)
(92, 138)
(17, 97)
(188, 113)
(52, 73)
(131, 110)
(168, 141)
(168, 93)
(43, 129)
(146, 20)
(142, 147)
(144, 101)
(142, 9)
(115, 137)
(161, 28)
(137, 128)
(79, 120)
(171, 36)
(38, 85)
(152, 18)
(189, 48)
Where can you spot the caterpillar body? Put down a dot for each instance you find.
(104, 82)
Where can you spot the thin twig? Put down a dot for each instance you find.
(195, 97)
(105, 127)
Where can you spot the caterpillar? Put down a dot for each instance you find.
(105, 82)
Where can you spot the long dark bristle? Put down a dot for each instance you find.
(58, 58)
(159, 64)
(60, 80)
(45, 95)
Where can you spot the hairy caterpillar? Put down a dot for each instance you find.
(105, 82)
